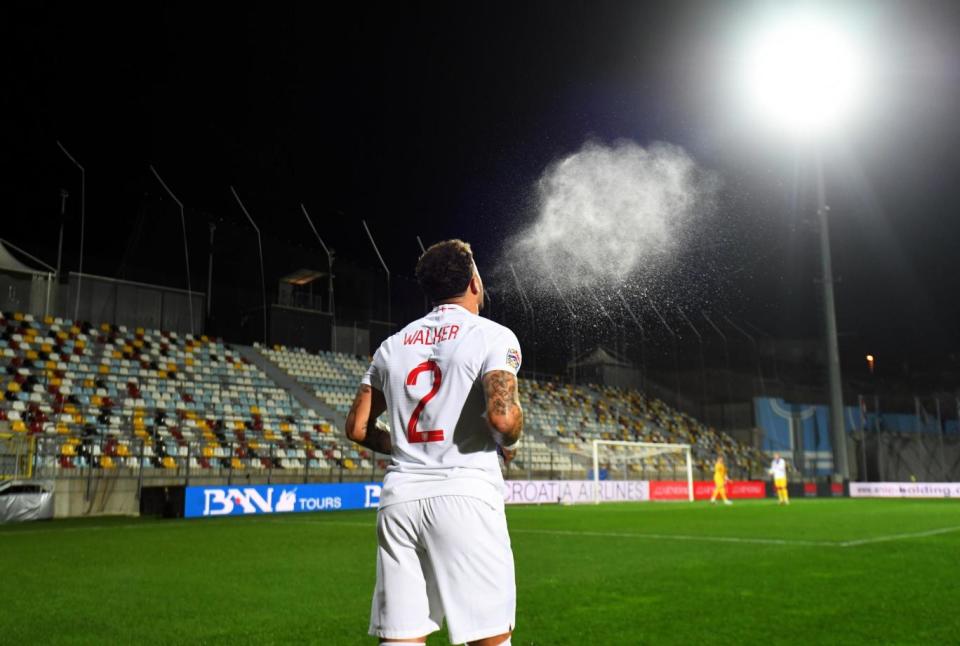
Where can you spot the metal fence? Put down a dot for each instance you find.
(95, 457)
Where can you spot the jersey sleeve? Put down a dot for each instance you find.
(503, 353)
(376, 373)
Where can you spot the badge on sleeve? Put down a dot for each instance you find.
(513, 358)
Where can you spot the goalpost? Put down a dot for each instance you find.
(638, 451)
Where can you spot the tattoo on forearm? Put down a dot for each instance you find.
(503, 398)
(501, 390)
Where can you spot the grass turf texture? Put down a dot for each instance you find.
(819, 571)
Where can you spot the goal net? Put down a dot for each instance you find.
(617, 460)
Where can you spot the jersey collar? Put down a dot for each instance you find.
(451, 307)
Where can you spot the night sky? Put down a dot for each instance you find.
(436, 119)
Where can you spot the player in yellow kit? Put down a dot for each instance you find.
(720, 482)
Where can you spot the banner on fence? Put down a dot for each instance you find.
(905, 489)
(532, 492)
(703, 489)
(275, 499)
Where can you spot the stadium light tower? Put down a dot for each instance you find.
(804, 77)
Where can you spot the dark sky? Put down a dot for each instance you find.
(435, 119)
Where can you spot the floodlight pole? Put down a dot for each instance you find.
(726, 356)
(676, 358)
(604, 311)
(263, 280)
(756, 352)
(840, 466)
(326, 250)
(703, 364)
(83, 224)
(63, 219)
(213, 230)
(386, 269)
(573, 329)
(186, 252)
(639, 324)
(426, 301)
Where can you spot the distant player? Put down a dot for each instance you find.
(448, 384)
(720, 480)
(778, 469)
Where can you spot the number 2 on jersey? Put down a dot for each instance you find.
(413, 435)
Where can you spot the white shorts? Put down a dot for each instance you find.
(444, 557)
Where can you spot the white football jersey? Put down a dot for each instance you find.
(779, 468)
(430, 374)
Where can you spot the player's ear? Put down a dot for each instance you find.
(474, 285)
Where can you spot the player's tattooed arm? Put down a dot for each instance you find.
(362, 420)
(504, 413)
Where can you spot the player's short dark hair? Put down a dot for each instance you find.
(445, 269)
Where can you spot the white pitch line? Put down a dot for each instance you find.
(547, 532)
(897, 537)
(679, 537)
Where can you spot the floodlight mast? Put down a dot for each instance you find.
(806, 76)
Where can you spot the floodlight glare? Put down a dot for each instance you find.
(804, 75)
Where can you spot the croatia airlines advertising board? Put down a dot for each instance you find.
(573, 492)
(274, 499)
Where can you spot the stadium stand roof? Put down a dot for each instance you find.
(9, 263)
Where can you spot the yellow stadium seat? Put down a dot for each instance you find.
(236, 463)
(123, 450)
(19, 426)
(68, 449)
(106, 462)
(169, 462)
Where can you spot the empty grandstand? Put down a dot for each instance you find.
(165, 405)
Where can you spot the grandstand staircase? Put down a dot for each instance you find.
(289, 383)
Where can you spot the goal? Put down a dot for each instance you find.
(626, 457)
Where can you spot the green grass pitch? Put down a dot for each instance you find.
(820, 571)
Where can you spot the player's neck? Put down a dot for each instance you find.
(468, 304)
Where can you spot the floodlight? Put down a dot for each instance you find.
(804, 74)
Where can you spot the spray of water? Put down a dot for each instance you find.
(606, 215)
